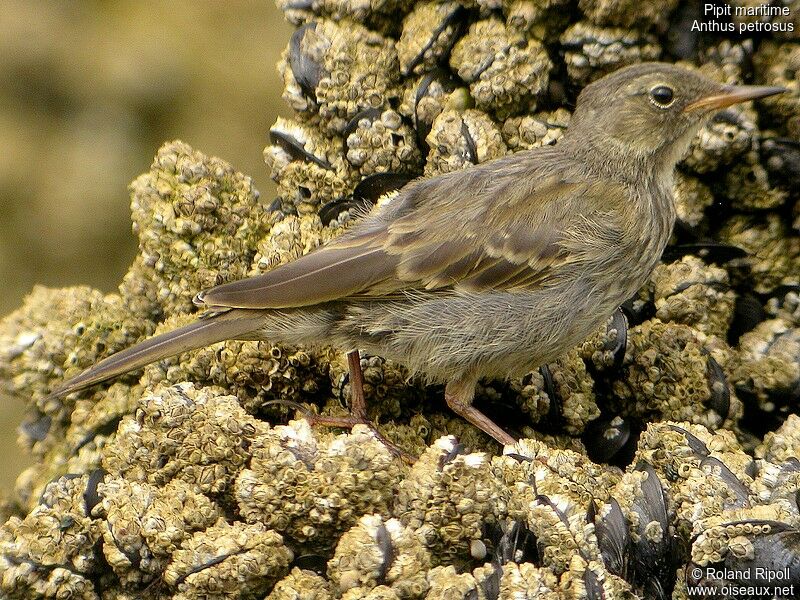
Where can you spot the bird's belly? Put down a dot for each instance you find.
(492, 334)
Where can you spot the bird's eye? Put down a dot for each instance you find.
(662, 96)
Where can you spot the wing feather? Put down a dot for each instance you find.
(500, 225)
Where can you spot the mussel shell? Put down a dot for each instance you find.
(554, 419)
(719, 469)
(384, 542)
(652, 561)
(710, 252)
(613, 539)
(371, 114)
(317, 563)
(331, 210)
(91, 497)
(695, 443)
(720, 395)
(610, 439)
(454, 17)
(372, 187)
(307, 72)
(295, 149)
(748, 312)
(448, 83)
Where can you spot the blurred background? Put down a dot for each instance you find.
(88, 92)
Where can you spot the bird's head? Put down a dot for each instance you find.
(653, 109)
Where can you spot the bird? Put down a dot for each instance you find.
(486, 272)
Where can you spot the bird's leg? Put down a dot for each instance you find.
(358, 409)
(458, 394)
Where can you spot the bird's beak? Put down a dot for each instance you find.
(733, 94)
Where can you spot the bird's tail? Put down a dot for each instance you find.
(234, 324)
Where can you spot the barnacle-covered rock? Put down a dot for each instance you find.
(380, 142)
(748, 187)
(426, 98)
(238, 560)
(142, 525)
(301, 585)
(777, 64)
(313, 490)
(627, 13)
(728, 135)
(532, 131)
(773, 253)
(693, 293)
(254, 372)
(506, 72)
(768, 375)
(289, 238)
(53, 551)
(559, 396)
(669, 374)
(53, 336)
(782, 445)
(538, 19)
(591, 52)
(458, 139)
(310, 168)
(692, 199)
(337, 70)
(378, 552)
(197, 220)
(379, 14)
(447, 498)
(198, 436)
(429, 32)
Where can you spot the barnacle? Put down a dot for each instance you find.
(198, 436)
(228, 561)
(336, 70)
(429, 32)
(539, 19)
(505, 72)
(690, 292)
(458, 139)
(627, 13)
(728, 135)
(197, 220)
(773, 255)
(314, 490)
(532, 131)
(655, 382)
(591, 51)
(692, 199)
(777, 64)
(380, 142)
(378, 552)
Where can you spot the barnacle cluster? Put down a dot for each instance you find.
(661, 450)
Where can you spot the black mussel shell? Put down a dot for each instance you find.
(448, 83)
(457, 449)
(652, 561)
(372, 187)
(90, 496)
(384, 541)
(295, 149)
(610, 439)
(513, 543)
(713, 465)
(710, 252)
(330, 210)
(371, 114)
(472, 148)
(613, 539)
(695, 443)
(454, 17)
(554, 420)
(782, 159)
(719, 389)
(307, 72)
(748, 312)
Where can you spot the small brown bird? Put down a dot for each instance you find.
(487, 272)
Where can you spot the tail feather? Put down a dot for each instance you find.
(203, 332)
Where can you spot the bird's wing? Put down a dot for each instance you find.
(504, 227)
